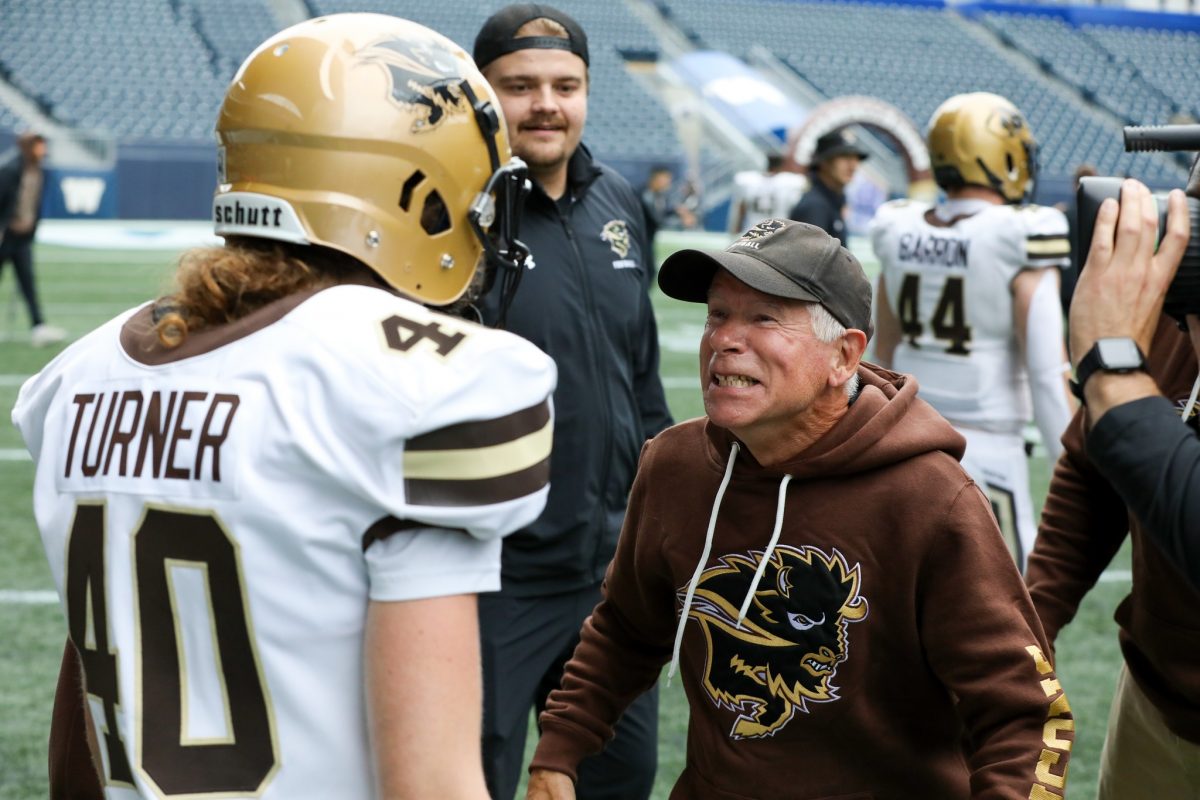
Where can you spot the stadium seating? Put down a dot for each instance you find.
(152, 72)
(9, 123)
(915, 57)
(1112, 82)
(1170, 60)
(136, 69)
(230, 30)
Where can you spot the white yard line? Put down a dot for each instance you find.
(14, 454)
(37, 597)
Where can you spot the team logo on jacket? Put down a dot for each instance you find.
(616, 233)
(787, 650)
(426, 77)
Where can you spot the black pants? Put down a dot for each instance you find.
(526, 641)
(19, 250)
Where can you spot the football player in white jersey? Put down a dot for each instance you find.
(762, 195)
(269, 499)
(968, 299)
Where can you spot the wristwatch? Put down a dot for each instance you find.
(1117, 354)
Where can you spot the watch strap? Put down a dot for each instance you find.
(1092, 363)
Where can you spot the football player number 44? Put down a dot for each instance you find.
(175, 553)
(949, 320)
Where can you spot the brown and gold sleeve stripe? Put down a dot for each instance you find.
(384, 527)
(1046, 247)
(481, 462)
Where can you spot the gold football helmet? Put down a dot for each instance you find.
(377, 137)
(982, 139)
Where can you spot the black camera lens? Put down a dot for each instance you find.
(1183, 296)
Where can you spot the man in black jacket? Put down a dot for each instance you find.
(22, 181)
(834, 163)
(584, 300)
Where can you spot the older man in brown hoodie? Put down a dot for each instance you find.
(830, 583)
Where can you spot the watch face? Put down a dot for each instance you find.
(1119, 353)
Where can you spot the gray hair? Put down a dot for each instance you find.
(829, 330)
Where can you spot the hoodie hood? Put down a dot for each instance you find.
(885, 424)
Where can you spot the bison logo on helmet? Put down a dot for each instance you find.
(786, 652)
(616, 233)
(425, 76)
(1006, 122)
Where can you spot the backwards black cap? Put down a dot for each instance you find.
(497, 37)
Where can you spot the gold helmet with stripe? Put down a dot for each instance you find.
(379, 138)
(982, 139)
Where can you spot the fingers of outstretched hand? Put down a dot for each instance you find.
(1136, 226)
(1175, 239)
(1101, 252)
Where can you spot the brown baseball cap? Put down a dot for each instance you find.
(781, 258)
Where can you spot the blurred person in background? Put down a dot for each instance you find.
(664, 207)
(269, 498)
(584, 300)
(968, 300)
(834, 163)
(22, 184)
(762, 195)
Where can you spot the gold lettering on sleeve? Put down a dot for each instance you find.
(1046, 760)
(1057, 733)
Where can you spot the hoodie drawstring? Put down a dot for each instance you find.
(766, 556)
(708, 539)
(1191, 403)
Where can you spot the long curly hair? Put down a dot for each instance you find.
(217, 285)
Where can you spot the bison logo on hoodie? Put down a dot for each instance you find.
(786, 652)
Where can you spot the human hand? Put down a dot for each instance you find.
(545, 784)
(1122, 286)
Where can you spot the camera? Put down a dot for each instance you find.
(1183, 296)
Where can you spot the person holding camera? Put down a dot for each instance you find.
(1129, 466)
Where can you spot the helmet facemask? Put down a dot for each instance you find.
(495, 214)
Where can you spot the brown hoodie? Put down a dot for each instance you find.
(888, 649)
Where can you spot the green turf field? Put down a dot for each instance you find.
(82, 288)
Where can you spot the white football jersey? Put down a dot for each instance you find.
(767, 196)
(949, 285)
(216, 518)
